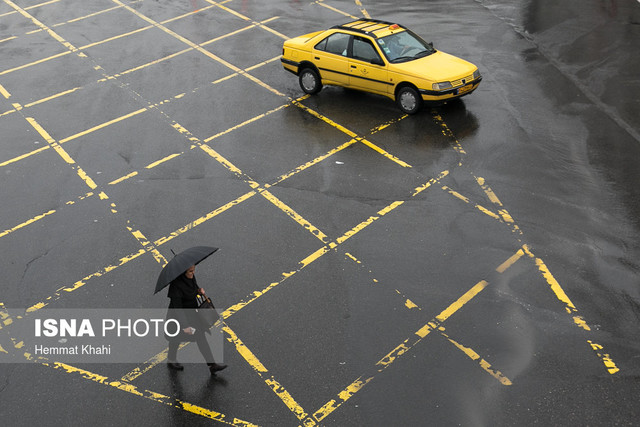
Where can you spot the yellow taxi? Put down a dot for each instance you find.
(379, 57)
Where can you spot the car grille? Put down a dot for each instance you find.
(462, 81)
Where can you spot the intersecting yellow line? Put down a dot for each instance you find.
(199, 48)
(469, 352)
(410, 343)
(87, 46)
(323, 4)
(29, 7)
(263, 372)
(147, 394)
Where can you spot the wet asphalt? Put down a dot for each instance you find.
(475, 264)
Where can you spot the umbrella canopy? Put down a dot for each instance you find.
(180, 263)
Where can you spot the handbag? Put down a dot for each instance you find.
(206, 312)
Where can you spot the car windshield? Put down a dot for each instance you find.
(404, 46)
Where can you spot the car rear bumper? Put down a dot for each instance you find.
(289, 65)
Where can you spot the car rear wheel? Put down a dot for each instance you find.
(408, 100)
(310, 81)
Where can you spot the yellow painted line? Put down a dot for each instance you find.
(488, 191)
(325, 119)
(52, 33)
(246, 122)
(123, 178)
(455, 194)
(512, 260)
(4, 92)
(103, 125)
(606, 359)
(8, 38)
(49, 98)
(39, 61)
(117, 37)
(61, 152)
(296, 216)
(571, 309)
(362, 9)
(385, 153)
(150, 395)
(410, 343)
(198, 48)
(29, 7)
(83, 281)
(314, 162)
(213, 153)
(364, 224)
(321, 3)
(429, 183)
(204, 218)
(26, 223)
(262, 371)
(166, 159)
(447, 132)
(551, 281)
(483, 363)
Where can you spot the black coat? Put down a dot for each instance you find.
(183, 293)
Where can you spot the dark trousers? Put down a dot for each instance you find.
(200, 340)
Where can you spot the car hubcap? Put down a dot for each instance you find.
(309, 81)
(408, 101)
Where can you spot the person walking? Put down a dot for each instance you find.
(183, 293)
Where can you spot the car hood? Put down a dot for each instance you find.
(438, 66)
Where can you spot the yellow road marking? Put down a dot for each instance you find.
(199, 48)
(103, 125)
(262, 371)
(28, 222)
(159, 162)
(321, 3)
(410, 343)
(156, 397)
(4, 92)
(483, 363)
(49, 98)
(384, 153)
(123, 178)
(296, 216)
(29, 7)
(571, 309)
(61, 152)
(246, 122)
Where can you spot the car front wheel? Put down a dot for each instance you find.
(310, 81)
(408, 100)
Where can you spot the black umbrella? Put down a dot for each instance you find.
(180, 263)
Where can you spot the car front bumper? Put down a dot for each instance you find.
(456, 92)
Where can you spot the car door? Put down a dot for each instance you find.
(330, 57)
(367, 69)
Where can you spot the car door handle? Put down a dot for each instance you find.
(316, 57)
(353, 66)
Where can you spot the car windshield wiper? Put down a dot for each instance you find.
(402, 59)
(423, 54)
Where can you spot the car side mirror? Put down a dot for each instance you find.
(377, 61)
(430, 44)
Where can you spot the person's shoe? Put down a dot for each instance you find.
(215, 367)
(175, 365)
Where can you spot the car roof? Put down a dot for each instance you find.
(372, 27)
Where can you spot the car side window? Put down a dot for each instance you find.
(336, 43)
(363, 49)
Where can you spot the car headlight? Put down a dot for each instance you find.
(476, 74)
(442, 85)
